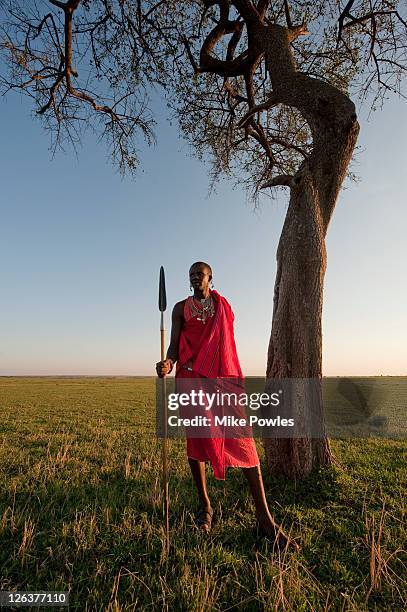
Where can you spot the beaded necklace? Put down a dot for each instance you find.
(206, 310)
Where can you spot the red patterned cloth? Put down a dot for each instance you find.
(209, 350)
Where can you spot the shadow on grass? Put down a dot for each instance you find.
(70, 550)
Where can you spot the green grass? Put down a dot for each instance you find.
(81, 510)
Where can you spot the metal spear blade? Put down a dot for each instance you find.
(162, 296)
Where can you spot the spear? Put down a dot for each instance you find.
(162, 305)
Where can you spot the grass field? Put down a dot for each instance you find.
(81, 510)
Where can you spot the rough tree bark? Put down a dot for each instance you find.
(295, 348)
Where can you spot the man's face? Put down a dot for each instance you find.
(199, 277)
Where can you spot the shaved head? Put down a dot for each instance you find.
(202, 265)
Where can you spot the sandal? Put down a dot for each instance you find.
(203, 519)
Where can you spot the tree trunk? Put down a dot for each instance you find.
(295, 348)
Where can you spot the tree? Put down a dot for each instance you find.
(261, 86)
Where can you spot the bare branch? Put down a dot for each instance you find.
(248, 11)
(271, 101)
(191, 58)
(342, 16)
(296, 31)
(283, 180)
(379, 27)
(287, 14)
(369, 16)
(236, 66)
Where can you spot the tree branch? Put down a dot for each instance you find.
(191, 58)
(287, 14)
(225, 68)
(248, 11)
(283, 180)
(272, 100)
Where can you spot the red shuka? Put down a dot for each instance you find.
(210, 350)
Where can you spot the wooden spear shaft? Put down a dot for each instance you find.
(162, 303)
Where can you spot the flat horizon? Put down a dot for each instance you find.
(153, 376)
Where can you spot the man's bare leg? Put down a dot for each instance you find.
(198, 472)
(264, 517)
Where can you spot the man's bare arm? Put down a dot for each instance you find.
(164, 367)
(177, 321)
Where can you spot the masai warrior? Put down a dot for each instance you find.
(203, 345)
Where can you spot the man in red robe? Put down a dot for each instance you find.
(203, 345)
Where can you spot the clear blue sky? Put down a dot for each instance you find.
(81, 250)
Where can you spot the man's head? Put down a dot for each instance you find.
(200, 275)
